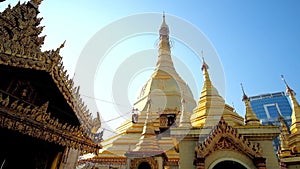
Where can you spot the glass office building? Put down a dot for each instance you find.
(268, 106)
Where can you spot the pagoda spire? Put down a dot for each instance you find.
(295, 107)
(165, 78)
(147, 145)
(184, 120)
(164, 42)
(148, 140)
(164, 46)
(250, 116)
(210, 105)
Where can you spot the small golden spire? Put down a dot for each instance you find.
(295, 126)
(164, 42)
(148, 140)
(184, 120)
(208, 110)
(250, 116)
(289, 91)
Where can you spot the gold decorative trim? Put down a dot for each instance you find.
(226, 137)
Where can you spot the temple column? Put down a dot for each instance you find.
(187, 152)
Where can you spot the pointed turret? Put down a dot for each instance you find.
(164, 61)
(184, 120)
(148, 140)
(295, 125)
(295, 107)
(211, 106)
(147, 145)
(250, 116)
(164, 42)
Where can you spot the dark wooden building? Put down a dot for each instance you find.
(43, 122)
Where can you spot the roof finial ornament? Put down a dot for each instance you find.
(164, 20)
(250, 116)
(242, 88)
(245, 97)
(204, 65)
(35, 3)
(289, 91)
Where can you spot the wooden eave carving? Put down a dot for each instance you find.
(104, 160)
(35, 121)
(20, 46)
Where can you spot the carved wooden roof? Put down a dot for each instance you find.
(20, 46)
(224, 137)
(35, 121)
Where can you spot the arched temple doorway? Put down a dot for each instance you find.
(229, 164)
(144, 165)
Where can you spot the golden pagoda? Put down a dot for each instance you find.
(289, 151)
(43, 121)
(172, 132)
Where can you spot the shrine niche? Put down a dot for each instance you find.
(144, 165)
(163, 121)
(167, 117)
(149, 162)
(229, 164)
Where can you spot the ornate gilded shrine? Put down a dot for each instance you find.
(43, 121)
(171, 131)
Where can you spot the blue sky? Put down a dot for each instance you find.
(256, 41)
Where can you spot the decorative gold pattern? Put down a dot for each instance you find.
(20, 46)
(226, 137)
